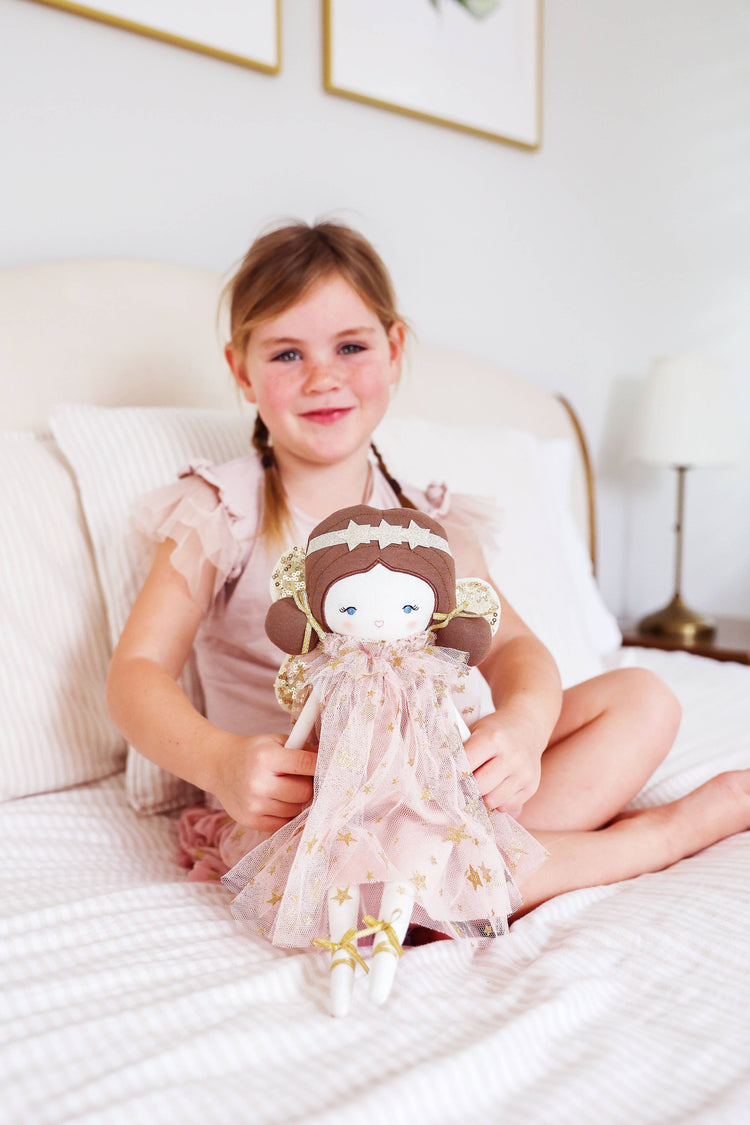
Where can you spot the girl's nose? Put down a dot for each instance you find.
(379, 624)
(321, 376)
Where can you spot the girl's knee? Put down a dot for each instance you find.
(646, 694)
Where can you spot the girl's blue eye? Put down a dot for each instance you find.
(286, 357)
(351, 349)
(410, 608)
(350, 609)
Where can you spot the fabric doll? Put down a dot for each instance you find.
(397, 829)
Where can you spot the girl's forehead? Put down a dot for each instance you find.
(330, 306)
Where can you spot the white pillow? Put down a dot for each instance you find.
(117, 456)
(541, 565)
(54, 630)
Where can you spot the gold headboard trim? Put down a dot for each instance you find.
(589, 474)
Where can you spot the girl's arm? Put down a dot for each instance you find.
(260, 782)
(506, 746)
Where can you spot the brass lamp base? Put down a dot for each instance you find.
(678, 622)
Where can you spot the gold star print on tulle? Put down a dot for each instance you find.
(394, 801)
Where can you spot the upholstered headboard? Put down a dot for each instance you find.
(124, 333)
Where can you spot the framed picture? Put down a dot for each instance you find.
(474, 65)
(246, 32)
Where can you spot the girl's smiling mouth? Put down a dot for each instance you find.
(327, 415)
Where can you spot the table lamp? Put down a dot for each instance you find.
(685, 421)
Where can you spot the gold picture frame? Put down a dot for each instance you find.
(260, 29)
(391, 54)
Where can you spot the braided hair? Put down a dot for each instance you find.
(277, 521)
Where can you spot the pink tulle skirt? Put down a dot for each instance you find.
(395, 801)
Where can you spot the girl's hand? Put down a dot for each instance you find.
(261, 783)
(506, 759)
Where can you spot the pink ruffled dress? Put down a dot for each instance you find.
(212, 513)
(395, 801)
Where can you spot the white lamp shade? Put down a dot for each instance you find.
(685, 416)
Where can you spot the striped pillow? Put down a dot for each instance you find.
(117, 455)
(54, 631)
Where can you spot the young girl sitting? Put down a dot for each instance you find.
(316, 344)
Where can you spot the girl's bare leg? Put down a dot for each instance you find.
(637, 842)
(612, 733)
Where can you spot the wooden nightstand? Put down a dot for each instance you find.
(732, 640)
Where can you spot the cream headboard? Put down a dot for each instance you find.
(124, 333)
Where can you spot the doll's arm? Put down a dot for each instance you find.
(304, 723)
(463, 730)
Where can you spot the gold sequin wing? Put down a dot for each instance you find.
(480, 599)
(288, 578)
(289, 574)
(291, 685)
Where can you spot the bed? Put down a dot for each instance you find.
(127, 993)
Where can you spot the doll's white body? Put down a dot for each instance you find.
(381, 598)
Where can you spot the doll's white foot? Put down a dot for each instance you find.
(342, 985)
(382, 971)
(343, 907)
(395, 907)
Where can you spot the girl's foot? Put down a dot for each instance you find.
(641, 841)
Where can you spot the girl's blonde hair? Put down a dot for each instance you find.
(280, 267)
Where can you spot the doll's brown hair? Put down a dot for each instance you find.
(287, 623)
(280, 267)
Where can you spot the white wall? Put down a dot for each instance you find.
(627, 236)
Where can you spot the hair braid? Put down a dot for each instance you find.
(276, 520)
(405, 501)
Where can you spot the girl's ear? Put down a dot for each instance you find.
(239, 370)
(396, 341)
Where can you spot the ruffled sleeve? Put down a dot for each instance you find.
(195, 513)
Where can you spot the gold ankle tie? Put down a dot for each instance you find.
(348, 946)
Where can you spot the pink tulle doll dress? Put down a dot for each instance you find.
(395, 801)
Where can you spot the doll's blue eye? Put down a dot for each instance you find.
(350, 609)
(411, 608)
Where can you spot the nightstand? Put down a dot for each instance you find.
(731, 642)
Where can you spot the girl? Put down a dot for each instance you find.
(316, 344)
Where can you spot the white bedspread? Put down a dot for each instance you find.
(128, 995)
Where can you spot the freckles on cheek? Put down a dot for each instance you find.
(369, 383)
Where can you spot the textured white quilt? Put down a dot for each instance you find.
(128, 994)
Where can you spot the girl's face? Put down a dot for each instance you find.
(321, 375)
(381, 605)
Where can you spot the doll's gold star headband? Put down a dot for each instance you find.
(384, 534)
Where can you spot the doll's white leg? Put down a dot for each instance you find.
(343, 908)
(396, 907)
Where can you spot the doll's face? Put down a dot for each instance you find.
(380, 605)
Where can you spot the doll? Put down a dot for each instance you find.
(396, 830)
